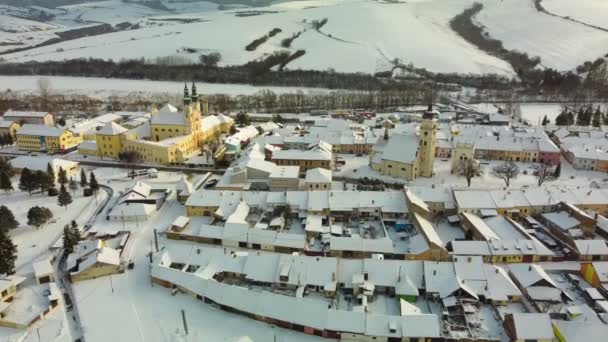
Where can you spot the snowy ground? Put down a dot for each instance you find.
(593, 12)
(560, 43)
(32, 242)
(105, 87)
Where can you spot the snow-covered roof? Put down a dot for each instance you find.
(40, 163)
(532, 326)
(531, 275)
(183, 187)
(314, 154)
(401, 148)
(168, 115)
(88, 145)
(43, 268)
(474, 199)
(112, 128)
(562, 220)
(601, 269)
(40, 130)
(581, 331)
(591, 247)
(318, 175)
(283, 172)
(25, 114)
(6, 123)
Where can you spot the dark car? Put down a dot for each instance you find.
(210, 184)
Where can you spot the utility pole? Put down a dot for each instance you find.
(184, 321)
(111, 285)
(156, 239)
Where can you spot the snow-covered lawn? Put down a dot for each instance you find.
(593, 12)
(51, 329)
(104, 87)
(32, 242)
(560, 43)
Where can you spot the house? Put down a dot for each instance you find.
(284, 178)
(535, 283)
(318, 155)
(596, 274)
(34, 118)
(183, 190)
(41, 163)
(524, 327)
(8, 127)
(318, 179)
(44, 272)
(138, 203)
(8, 287)
(40, 138)
(99, 262)
(28, 305)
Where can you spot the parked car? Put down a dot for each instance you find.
(211, 183)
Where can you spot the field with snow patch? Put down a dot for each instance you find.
(592, 12)
(560, 43)
(360, 36)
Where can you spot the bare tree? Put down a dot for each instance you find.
(506, 171)
(543, 173)
(44, 88)
(468, 168)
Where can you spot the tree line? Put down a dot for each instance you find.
(583, 116)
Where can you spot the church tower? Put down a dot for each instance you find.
(192, 111)
(426, 144)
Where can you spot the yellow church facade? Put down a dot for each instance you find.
(174, 136)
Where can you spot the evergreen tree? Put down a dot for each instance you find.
(597, 118)
(64, 198)
(37, 216)
(545, 121)
(570, 118)
(7, 219)
(6, 166)
(558, 170)
(83, 178)
(562, 119)
(5, 182)
(42, 180)
(73, 185)
(75, 233)
(26, 182)
(8, 254)
(68, 240)
(62, 176)
(50, 174)
(93, 183)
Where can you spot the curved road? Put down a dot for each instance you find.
(73, 319)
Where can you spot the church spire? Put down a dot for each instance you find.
(186, 94)
(194, 95)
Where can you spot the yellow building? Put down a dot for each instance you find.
(109, 140)
(172, 138)
(406, 155)
(427, 141)
(9, 127)
(44, 138)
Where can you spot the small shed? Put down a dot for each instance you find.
(43, 272)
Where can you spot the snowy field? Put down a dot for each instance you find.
(592, 12)
(411, 31)
(561, 44)
(104, 87)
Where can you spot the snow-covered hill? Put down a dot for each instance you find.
(360, 35)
